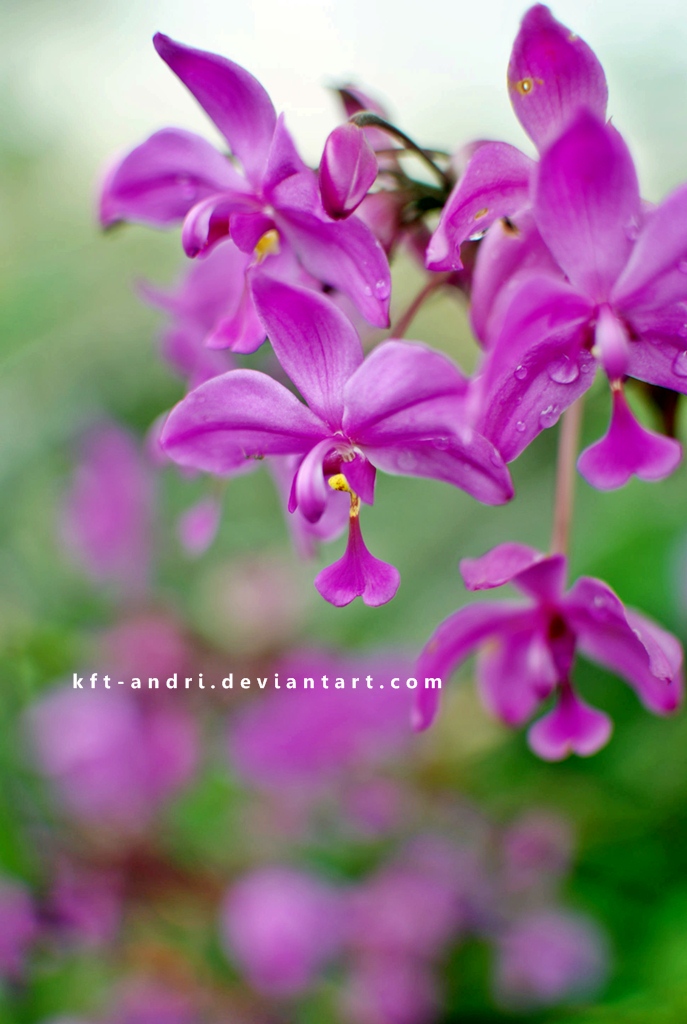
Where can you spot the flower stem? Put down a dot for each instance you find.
(568, 444)
(399, 329)
(366, 119)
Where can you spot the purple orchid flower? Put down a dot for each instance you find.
(528, 650)
(552, 74)
(400, 410)
(176, 175)
(623, 306)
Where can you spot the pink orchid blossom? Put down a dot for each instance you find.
(527, 650)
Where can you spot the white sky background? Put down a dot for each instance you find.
(86, 72)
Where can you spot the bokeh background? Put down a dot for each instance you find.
(125, 828)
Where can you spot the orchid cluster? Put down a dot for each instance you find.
(566, 269)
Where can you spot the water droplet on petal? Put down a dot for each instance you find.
(442, 443)
(382, 289)
(520, 427)
(682, 331)
(680, 364)
(564, 371)
(367, 290)
(521, 372)
(495, 458)
(548, 416)
(682, 266)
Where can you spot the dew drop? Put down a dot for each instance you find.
(382, 289)
(564, 371)
(548, 416)
(682, 266)
(680, 364)
(521, 372)
(442, 443)
(367, 290)
(520, 427)
(495, 459)
(632, 229)
(682, 331)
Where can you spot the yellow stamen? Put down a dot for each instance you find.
(338, 482)
(268, 245)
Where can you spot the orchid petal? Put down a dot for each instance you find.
(613, 343)
(656, 272)
(659, 355)
(544, 579)
(158, 182)
(509, 252)
(498, 566)
(551, 74)
(248, 228)
(230, 96)
(573, 727)
(516, 673)
(207, 223)
(344, 255)
(311, 487)
(360, 475)
(454, 641)
(358, 574)
(399, 381)
(242, 331)
(495, 184)
(347, 171)
(315, 342)
(538, 365)
(239, 415)
(283, 161)
(628, 449)
(304, 535)
(627, 643)
(587, 205)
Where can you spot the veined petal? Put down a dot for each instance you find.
(510, 252)
(573, 727)
(629, 644)
(358, 574)
(551, 75)
(240, 415)
(344, 255)
(347, 170)
(587, 205)
(498, 566)
(158, 182)
(628, 449)
(495, 184)
(314, 341)
(468, 461)
(397, 378)
(230, 96)
(454, 641)
(207, 223)
(538, 366)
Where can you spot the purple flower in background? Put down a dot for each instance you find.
(624, 307)
(548, 956)
(399, 410)
(390, 990)
(113, 757)
(552, 74)
(537, 853)
(151, 1003)
(305, 739)
(197, 527)
(107, 514)
(275, 203)
(210, 308)
(528, 649)
(281, 926)
(18, 927)
(85, 905)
